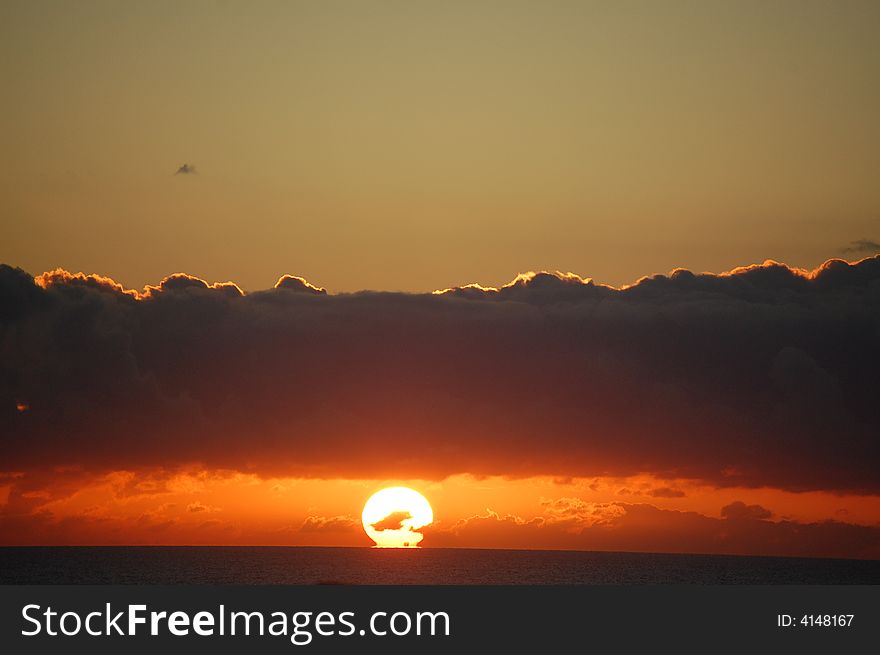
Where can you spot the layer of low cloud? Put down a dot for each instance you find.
(628, 527)
(763, 376)
(739, 510)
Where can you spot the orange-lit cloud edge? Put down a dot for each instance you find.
(62, 276)
(648, 512)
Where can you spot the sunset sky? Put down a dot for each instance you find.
(415, 145)
(264, 259)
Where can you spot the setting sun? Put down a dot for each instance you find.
(393, 515)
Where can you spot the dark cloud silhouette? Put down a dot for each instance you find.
(861, 246)
(763, 376)
(186, 169)
(666, 492)
(393, 521)
(183, 282)
(298, 284)
(634, 527)
(739, 510)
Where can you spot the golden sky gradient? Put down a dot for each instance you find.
(418, 145)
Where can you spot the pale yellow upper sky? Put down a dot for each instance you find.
(416, 145)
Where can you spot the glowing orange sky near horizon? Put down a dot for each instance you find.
(69, 505)
(225, 508)
(414, 147)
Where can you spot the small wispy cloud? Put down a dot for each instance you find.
(199, 506)
(328, 524)
(861, 245)
(186, 169)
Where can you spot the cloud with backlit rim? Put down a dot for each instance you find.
(762, 376)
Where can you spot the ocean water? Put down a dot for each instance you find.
(425, 566)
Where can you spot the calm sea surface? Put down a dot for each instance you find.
(271, 565)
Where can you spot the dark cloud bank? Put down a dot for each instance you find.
(744, 529)
(761, 376)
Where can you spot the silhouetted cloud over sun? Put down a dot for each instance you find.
(762, 376)
(393, 521)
